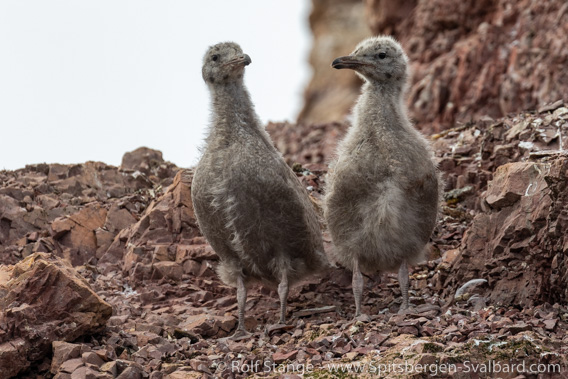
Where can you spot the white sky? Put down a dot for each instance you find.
(93, 79)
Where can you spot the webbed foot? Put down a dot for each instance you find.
(363, 318)
(239, 335)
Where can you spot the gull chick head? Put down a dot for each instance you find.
(377, 60)
(224, 63)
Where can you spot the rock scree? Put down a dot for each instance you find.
(502, 220)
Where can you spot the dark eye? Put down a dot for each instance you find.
(381, 55)
(215, 57)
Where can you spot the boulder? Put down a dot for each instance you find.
(142, 159)
(519, 243)
(43, 299)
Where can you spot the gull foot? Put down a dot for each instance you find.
(407, 310)
(239, 335)
(363, 318)
(275, 328)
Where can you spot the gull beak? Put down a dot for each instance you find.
(241, 60)
(348, 62)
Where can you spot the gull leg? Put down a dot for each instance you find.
(283, 294)
(241, 331)
(404, 283)
(357, 284)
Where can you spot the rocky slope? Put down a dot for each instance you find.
(469, 58)
(131, 236)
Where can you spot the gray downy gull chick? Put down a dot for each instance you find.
(249, 204)
(382, 199)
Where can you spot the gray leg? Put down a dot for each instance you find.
(283, 294)
(357, 284)
(403, 282)
(241, 302)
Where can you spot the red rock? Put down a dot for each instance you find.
(77, 233)
(191, 267)
(209, 325)
(89, 373)
(63, 351)
(198, 252)
(313, 311)
(467, 58)
(110, 367)
(170, 216)
(144, 338)
(130, 373)
(118, 218)
(170, 270)
(408, 330)
(92, 358)
(512, 181)
(142, 159)
(550, 324)
(518, 327)
(450, 256)
(13, 357)
(71, 365)
(280, 357)
(377, 339)
(450, 329)
(316, 360)
(43, 299)
(511, 231)
(156, 329)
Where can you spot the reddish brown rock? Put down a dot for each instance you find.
(514, 245)
(209, 325)
(281, 357)
(307, 143)
(13, 357)
(142, 159)
(118, 218)
(170, 270)
(92, 358)
(512, 181)
(76, 234)
(42, 300)
(71, 365)
(469, 58)
(63, 351)
(169, 219)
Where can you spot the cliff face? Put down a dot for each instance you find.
(469, 58)
(337, 26)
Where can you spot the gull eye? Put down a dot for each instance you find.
(381, 55)
(214, 57)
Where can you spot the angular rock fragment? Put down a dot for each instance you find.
(209, 325)
(43, 299)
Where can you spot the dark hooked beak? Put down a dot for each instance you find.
(348, 62)
(243, 60)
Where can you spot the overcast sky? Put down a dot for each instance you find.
(91, 80)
